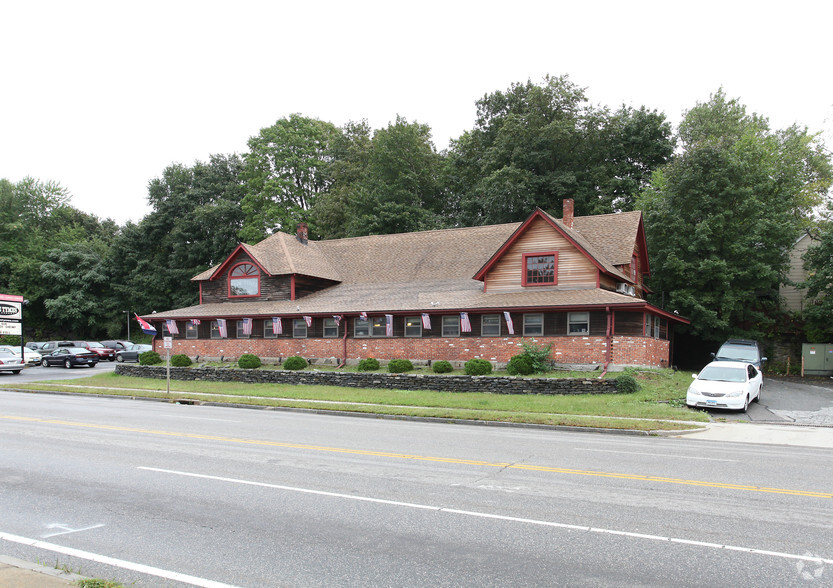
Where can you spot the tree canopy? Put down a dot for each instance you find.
(723, 214)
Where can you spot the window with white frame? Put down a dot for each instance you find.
(656, 327)
(361, 328)
(269, 329)
(240, 333)
(490, 325)
(215, 330)
(299, 328)
(533, 324)
(378, 326)
(451, 326)
(191, 331)
(330, 328)
(578, 323)
(413, 326)
(647, 325)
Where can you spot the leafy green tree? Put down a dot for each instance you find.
(535, 145)
(819, 284)
(286, 169)
(721, 217)
(194, 224)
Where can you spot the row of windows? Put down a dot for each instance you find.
(578, 323)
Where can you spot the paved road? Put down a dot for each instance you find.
(261, 498)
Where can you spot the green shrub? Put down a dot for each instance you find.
(442, 367)
(368, 365)
(478, 367)
(541, 357)
(398, 366)
(519, 365)
(180, 360)
(249, 361)
(626, 384)
(149, 358)
(295, 363)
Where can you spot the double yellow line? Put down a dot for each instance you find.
(449, 460)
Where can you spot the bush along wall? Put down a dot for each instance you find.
(444, 383)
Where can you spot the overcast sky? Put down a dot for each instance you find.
(102, 96)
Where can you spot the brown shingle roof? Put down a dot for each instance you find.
(428, 270)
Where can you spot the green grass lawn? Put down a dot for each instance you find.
(654, 407)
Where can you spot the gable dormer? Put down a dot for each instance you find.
(547, 253)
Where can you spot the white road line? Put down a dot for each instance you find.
(808, 558)
(111, 561)
(656, 454)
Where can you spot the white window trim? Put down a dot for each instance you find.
(192, 328)
(418, 325)
(529, 334)
(356, 321)
(269, 333)
(330, 323)
(295, 327)
(454, 317)
(240, 333)
(483, 324)
(570, 323)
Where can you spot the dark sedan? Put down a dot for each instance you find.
(133, 352)
(69, 357)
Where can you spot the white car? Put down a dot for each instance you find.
(725, 384)
(31, 357)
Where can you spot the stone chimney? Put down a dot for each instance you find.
(302, 233)
(567, 217)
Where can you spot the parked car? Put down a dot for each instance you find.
(133, 352)
(117, 344)
(35, 345)
(725, 384)
(69, 357)
(51, 346)
(745, 350)
(9, 362)
(103, 352)
(30, 357)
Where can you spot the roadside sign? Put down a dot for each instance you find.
(168, 343)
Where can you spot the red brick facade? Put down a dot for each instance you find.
(627, 351)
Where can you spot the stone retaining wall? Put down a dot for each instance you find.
(445, 383)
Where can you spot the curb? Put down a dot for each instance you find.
(30, 569)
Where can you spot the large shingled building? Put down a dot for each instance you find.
(451, 294)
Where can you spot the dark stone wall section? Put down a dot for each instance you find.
(495, 385)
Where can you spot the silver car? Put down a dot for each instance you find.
(9, 362)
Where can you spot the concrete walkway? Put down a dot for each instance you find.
(15, 573)
(769, 434)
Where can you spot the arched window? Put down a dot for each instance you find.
(244, 280)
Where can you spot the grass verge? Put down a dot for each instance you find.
(657, 406)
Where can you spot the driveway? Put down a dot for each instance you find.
(802, 401)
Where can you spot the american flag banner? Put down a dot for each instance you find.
(195, 322)
(221, 326)
(337, 318)
(363, 316)
(308, 320)
(172, 328)
(277, 327)
(509, 324)
(465, 323)
(426, 321)
(389, 325)
(247, 326)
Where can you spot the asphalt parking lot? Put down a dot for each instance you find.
(795, 400)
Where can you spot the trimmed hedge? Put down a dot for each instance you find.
(519, 365)
(400, 366)
(295, 363)
(249, 361)
(626, 384)
(442, 367)
(478, 367)
(180, 360)
(149, 358)
(369, 364)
